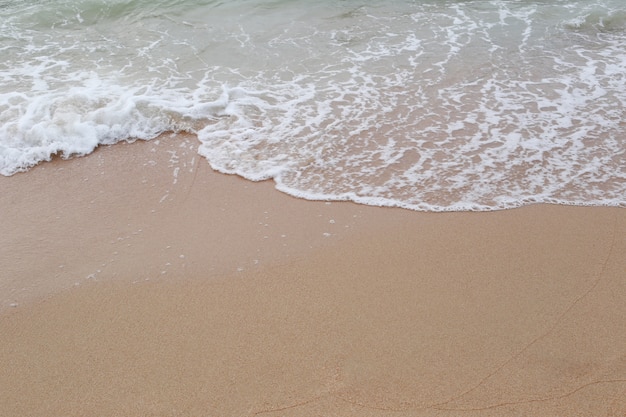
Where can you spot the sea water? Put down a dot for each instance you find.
(425, 104)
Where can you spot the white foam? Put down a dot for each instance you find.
(451, 106)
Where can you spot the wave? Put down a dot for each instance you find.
(599, 20)
(424, 105)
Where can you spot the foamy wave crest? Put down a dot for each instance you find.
(34, 127)
(256, 136)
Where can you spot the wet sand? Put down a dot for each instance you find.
(138, 282)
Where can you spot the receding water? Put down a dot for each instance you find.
(428, 105)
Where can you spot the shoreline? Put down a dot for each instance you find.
(136, 281)
(91, 217)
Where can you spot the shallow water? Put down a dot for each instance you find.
(428, 105)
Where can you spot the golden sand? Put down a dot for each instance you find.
(138, 282)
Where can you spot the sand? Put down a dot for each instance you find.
(137, 282)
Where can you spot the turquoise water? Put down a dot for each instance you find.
(427, 105)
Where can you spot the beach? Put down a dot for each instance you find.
(136, 281)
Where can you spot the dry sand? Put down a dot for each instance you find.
(137, 282)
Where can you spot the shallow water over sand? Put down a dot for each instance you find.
(428, 105)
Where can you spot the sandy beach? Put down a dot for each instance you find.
(138, 282)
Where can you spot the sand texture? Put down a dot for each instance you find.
(137, 282)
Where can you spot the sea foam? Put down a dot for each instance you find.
(423, 105)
